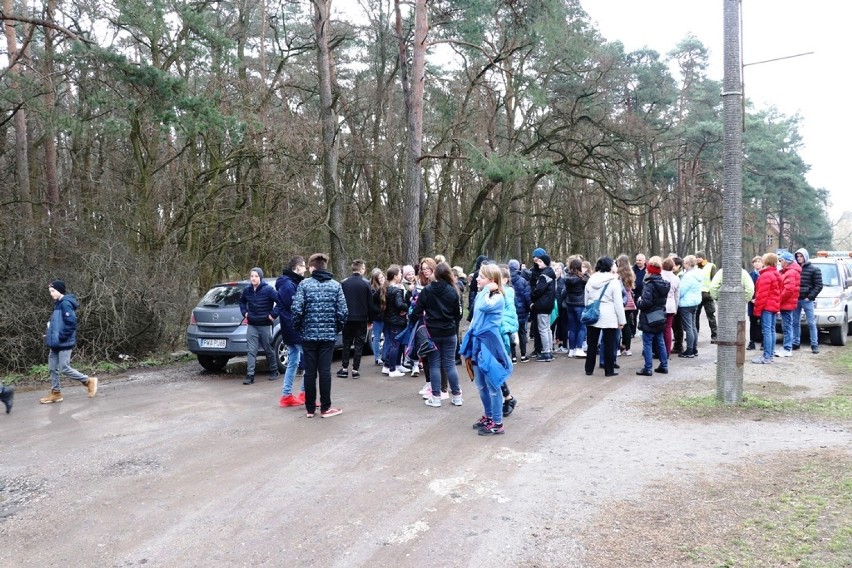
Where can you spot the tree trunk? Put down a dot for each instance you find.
(328, 120)
(22, 172)
(50, 134)
(413, 87)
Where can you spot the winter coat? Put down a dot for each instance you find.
(62, 327)
(811, 282)
(674, 291)
(395, 314)
(611, 307)
(257, 304)
(319, 307)
(439, 303)
(523, 299)
(574, 293)
(286, 284)
(509, 322)
(358, 296)
(639, 280)
(690, 288)
(745, 280)
(543, 292)
(655, 294)
(767, 294)
(790, 279)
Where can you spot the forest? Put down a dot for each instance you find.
(150, 148)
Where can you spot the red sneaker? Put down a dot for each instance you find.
(289, 400)
(301, 397)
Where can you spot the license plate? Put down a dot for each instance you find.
(214, 343)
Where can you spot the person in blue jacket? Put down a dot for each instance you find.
(483, 346)
(522, 306)
(61, 337)
(286, 285)
(257, 304)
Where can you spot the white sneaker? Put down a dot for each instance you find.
(385, 371)
(433, 401)
(457, 400)
(561, 350)
(426, 391)
(445, 395)
(571, 353)
(396, 373)
(579, 353)
(415, 372)
(786, 353)
(404, 369)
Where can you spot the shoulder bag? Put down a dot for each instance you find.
(592, 312)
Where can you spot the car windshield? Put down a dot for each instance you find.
(829, 274)
(222, 296)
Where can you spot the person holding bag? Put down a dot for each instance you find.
(604, 287)
(652, 317)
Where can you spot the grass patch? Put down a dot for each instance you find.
(809, 523)
(838, 406)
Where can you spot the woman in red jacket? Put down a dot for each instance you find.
(767, 304)
(791, 276)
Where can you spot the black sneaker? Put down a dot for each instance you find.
(509, 406)
(796, 347)
(662, 370)
(525, 359)
(492, 429)
(751, 346)
(343, 372)
(645, 372)
(815, 350)
(481, 422)
(544, 358)
(356, 374)
(249, 380)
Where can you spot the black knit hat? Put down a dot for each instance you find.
(59, 286)
(545, 259)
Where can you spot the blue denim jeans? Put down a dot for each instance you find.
(787, 328)
(378, 327)
(576, 328)
(260, 336)
(444, 358)
(294, 356)
(492, 398)
(808, 306)
(767, 325)
(687, 318)
(59, 363)
(392, 347)
(651, 341)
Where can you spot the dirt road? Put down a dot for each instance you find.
(179, 467)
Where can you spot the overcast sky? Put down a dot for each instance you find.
(815, 86)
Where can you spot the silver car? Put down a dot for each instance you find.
(217, 329)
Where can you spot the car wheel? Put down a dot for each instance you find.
(282, 353)
(213, 363)
(837, 335)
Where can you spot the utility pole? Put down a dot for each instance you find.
(731, 345)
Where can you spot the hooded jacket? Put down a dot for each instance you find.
(811, 281)
(286, 284)
(483, 344)
(544, 291)
(574, 293)
(690, 288)
(767, 293)
(395, 314)
(611, 307)
(358, 296)
(523, 298)
(791, 277)
(257, 304)
(62, 327)
(319, 307)
(439, 303)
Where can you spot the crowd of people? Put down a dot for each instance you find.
(413, 317)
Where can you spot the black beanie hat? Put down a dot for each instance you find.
(59, 286)
(545, 259)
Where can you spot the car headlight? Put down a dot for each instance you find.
(827, 303)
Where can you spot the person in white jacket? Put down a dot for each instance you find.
(604, 284)
(671, 302)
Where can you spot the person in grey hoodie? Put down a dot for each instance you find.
(809, 288)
